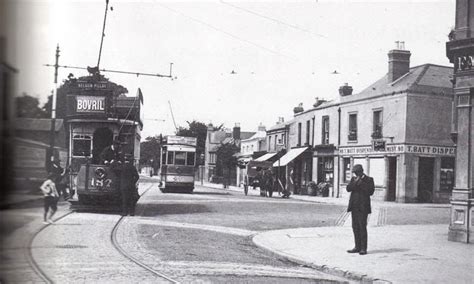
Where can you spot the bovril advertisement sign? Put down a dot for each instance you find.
(90, 104)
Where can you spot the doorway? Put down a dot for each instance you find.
(392, 179)
(425, 179)
(103, 137)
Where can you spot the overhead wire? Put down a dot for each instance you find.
(272, 19)
(227, 33)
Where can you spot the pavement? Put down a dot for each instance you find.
(397, 253)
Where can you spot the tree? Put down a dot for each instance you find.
(150, 151)
(226, 161)
(28, 107)
(195, 129)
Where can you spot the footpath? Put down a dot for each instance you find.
(418, 253)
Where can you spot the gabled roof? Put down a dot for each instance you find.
(426, 78)
(38, 124)
(256, 136)
(246, 135)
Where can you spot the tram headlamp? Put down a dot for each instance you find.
(100, 173)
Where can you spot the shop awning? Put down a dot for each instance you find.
(288, 157)
(265, 157)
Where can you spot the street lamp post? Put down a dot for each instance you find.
(53, 112)
(202, 168)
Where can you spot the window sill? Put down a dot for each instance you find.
(352, 142)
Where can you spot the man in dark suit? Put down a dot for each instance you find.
(128, 191)
(361, 188)
(111, 154)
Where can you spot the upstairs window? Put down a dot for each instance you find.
(352, 127)
(269, 143)
(325, 130)
(377, 125)
(299, 134)
(308, 126)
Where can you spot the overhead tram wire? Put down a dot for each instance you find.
(120, 72)
(227, 33)
(272, 19)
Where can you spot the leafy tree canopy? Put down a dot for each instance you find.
(28, 107)
(150, 152)
(195, 129)
(225, 157)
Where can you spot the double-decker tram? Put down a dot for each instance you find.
(95, 118)
(178, 160)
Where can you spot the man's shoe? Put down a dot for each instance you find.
(354, 250)
(363, 252)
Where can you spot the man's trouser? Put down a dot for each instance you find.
(359, 227)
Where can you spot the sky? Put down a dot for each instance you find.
(281, 53)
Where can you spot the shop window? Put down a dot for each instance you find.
(347, 170)
(81, 145)
(446, 178)
(377, 125)
(190, 158)
(352, 127)
(212, 158)
(325, 130)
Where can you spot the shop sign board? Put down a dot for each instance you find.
(399, 149)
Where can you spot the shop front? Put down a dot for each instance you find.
(404, 172)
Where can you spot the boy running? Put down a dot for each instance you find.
(51, 197)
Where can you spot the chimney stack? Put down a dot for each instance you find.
(281, 120)
(298, 109)
(236, 131)
(398, 61)
(261, 127)
(345, 90)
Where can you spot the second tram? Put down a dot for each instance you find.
(178, 160)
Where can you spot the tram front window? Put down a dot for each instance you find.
(180, 158)
(81, 145)
(170, 158)
(190, 158)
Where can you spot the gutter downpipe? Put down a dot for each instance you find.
(338, 156)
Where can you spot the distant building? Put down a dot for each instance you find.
(398, 128)
(214, 139)
(250, 148)
(31, 148)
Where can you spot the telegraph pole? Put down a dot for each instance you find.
(53, 111)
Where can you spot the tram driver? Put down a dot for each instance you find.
(112, 154)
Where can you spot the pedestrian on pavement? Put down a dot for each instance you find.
(260, 177)
(246, 183)
(51, 197)
(361, 188)
(128, 190)
(269, 182)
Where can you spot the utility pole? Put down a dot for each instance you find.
(53, 112)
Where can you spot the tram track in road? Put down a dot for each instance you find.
(116, 245)
(44, 277)
(113, 239)
(29, 253)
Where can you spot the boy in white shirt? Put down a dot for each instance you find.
(51, 197)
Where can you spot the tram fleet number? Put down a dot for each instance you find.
(101, 183)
